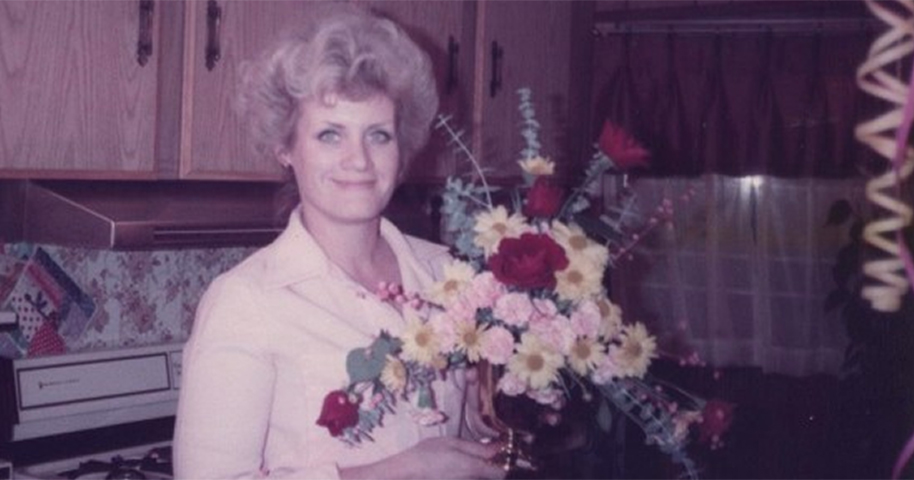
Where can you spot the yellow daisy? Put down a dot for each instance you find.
(419, 341)
(494, 225)
(457, 275)
(577, 244)
(535, 363)
(580, 280)
(585, 355)
(537, 166)
(634, 355)
(393, 376)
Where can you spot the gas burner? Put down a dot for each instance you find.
(156, 463)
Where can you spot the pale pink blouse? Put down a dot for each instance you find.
(270, 341)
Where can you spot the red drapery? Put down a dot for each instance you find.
(737, 103)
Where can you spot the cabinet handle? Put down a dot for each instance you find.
(144, 32)
(453, 48)
(213, 26)
(495, 82)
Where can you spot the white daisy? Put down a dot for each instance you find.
(537, 166)
(634, 355)
(420, 343)
(469, 340)
(577, 244)
(585, 355)
(457, 276)
(535, 363)
(579, 281)
(494, 225)
(394, 375)
(611, 314)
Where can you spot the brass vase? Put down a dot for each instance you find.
(515, 433)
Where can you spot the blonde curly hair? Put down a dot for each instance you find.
(345, 51)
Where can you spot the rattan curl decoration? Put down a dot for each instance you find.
(887, 134)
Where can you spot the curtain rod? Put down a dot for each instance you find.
(697, 26)
(736, 16)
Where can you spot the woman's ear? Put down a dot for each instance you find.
(283, 157)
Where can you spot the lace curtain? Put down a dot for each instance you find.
(742, 275)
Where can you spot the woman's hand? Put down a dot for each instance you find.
(441, 457)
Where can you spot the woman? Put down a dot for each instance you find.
(344, 104)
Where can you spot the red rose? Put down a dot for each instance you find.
(621, 148)
(544, 199)
(338, 413)
(716, 418)
(529, 261)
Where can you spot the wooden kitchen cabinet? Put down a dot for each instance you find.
(219, 36)
(213, 142)
(540, 45)
(445, 29)
(75, 101)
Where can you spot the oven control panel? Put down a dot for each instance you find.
(64, 393)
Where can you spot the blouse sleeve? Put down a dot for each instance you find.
(227, 390)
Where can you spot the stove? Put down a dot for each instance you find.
(152, 462)
(101, 414)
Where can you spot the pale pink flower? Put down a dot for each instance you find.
(586, 319)
(512, 385)
(497, 345)
(461, 310)
(514, 309)
(445, 327)
(483, 291)
(546, 396)
(544, 309)
(555, 332)
(605, 371)
(427, 416)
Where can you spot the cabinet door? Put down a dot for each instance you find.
(74, 100)
(214, 144)
(445, 29)
(532, 45)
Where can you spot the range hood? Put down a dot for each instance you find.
(130, 215)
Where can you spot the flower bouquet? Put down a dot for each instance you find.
(525, 302)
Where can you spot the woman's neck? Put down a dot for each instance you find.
(358, 249)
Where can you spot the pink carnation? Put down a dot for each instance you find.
(514, 309)
(445, 327)
(555, 332)
(483, 291)
(547, 396)
(497, 345)
(544, 309)
(511, 384)
(585, 320)
(605, 371)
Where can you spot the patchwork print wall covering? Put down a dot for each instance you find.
(70, 299)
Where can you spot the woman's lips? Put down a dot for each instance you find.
(354, 183)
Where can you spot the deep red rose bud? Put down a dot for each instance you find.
(528, 262)
(338, 413)
(544, 199)
(624, 151)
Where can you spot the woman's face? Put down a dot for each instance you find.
(346, 159)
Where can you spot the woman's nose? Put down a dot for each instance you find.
(358, 156)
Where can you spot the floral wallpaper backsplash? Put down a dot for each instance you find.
(72, 299)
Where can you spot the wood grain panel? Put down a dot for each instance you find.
(215, 145)
(535, 38)
(74, 102)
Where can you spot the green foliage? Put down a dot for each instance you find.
(365, 364)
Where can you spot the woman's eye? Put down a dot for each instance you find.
(381, 136)
(329, 136)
